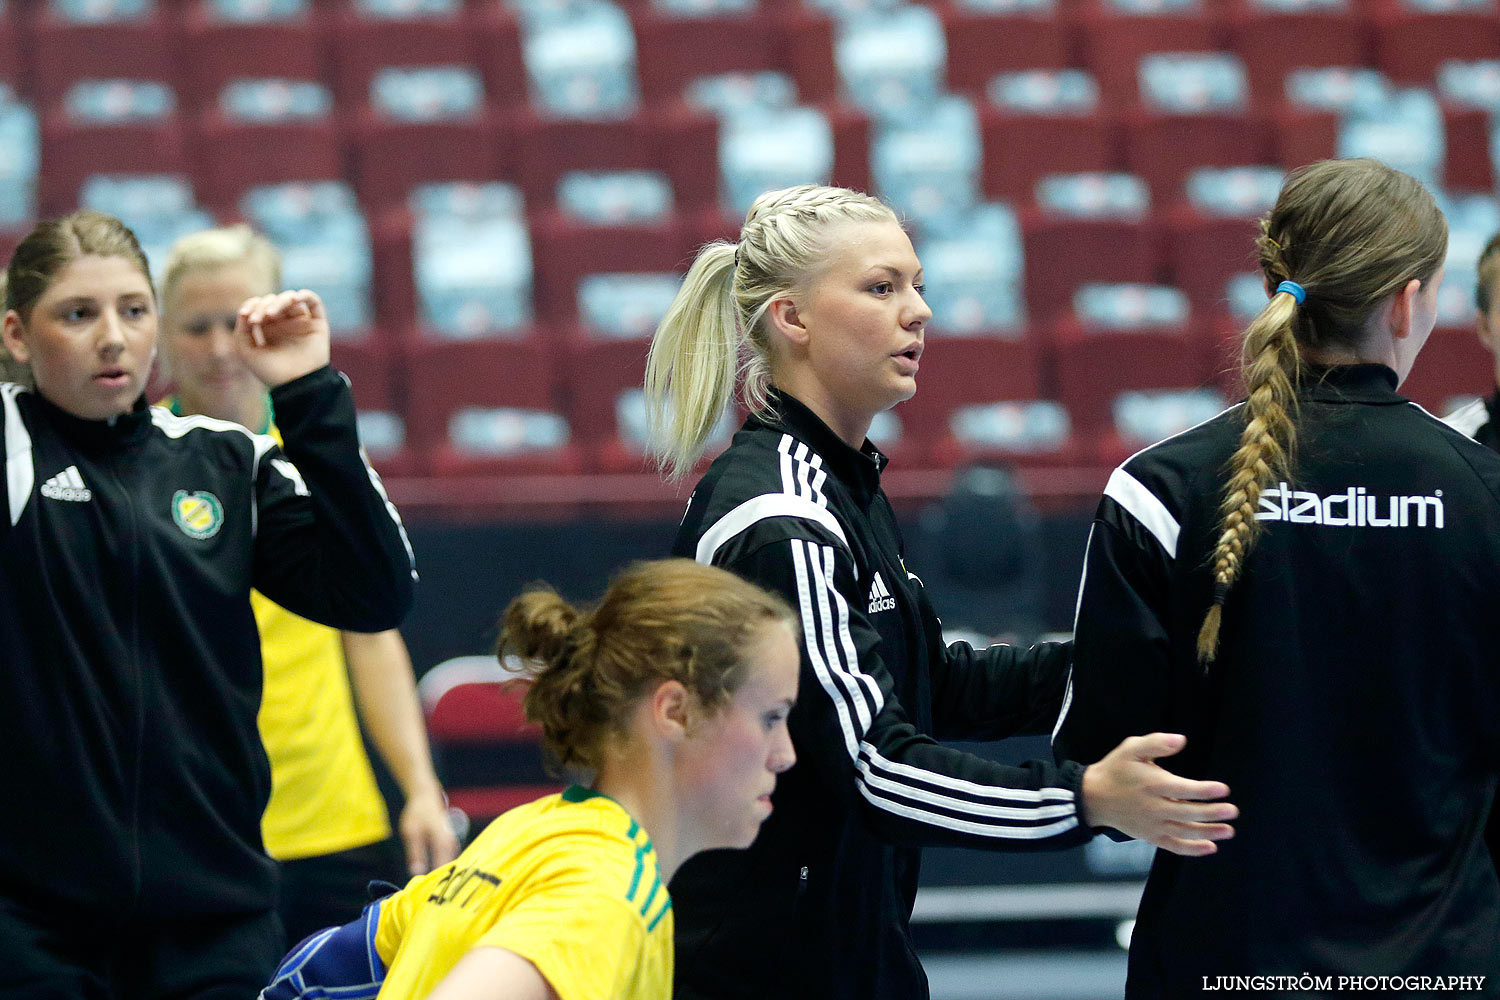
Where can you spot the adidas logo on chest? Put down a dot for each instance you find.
(67, 485)
(880, 597)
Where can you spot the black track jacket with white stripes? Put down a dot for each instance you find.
(1352, 706)
(130, 765)
(819, 906)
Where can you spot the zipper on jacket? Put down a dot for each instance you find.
(138, 875)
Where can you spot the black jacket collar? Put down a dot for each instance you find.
(1369, 383)
(857, 468)
(98, 435)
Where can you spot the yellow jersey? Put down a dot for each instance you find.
(324, 798)
(569, 882)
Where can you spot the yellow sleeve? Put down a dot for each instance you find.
(397, 910)
(588, 944)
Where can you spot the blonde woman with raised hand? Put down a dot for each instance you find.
(1305, 586)
(818, 310)
(673, 692)
(326, 824)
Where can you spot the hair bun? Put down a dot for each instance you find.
(542, 627)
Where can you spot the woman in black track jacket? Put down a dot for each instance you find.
(131, 864)
(1323, 628)
(827, 291)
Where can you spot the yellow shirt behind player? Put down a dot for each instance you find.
(674, 691)
(569, 882)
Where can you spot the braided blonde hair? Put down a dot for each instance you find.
(714, 336)
(1351, 233)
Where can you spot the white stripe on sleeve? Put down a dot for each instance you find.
(20, 469)
(1143, 505)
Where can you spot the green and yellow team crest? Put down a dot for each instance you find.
(198, 514)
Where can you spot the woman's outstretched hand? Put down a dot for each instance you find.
(1130, 792)
(283, 336)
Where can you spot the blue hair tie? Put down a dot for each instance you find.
(1293, 289)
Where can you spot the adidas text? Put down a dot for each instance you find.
(67, 485)
(1356, 507)
(880, 597)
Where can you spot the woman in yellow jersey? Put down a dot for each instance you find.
(674, 693)
(326, 822)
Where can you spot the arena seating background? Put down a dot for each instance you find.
(1048, 155)
(463, 182)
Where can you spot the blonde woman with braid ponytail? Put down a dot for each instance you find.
(814, 320)
(1305, 587)
(671, 694)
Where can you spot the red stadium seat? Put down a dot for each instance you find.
(563, 251)
(1095, 366)
(1063, 253)
(216, 52)
(235, 155)
(598, 372)
(1272, 43)
(671, 51)
(1202, 253)
(981, 45)
(1019, 149)
(1452, 363)
(394, 280)
(1113, 44)
(807, 37)
(71, 153)
(362, 46)
(1468, 166)
(15, 58)
(683, 144)
(65, 52)
(1164, 149)
(1409, 45)
(1303, 136)
(476, 723)
(958, 371)
(392, 157)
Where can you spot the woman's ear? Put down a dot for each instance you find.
(1403, 306)
(669, 710)
(786, 321)
(14, 342)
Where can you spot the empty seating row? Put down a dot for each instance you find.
(203, 44)
(1088, 396)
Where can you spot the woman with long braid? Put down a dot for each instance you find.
(1304, 586)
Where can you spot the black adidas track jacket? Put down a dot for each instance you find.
(131, 770)
(1352, 706)
(819, 906)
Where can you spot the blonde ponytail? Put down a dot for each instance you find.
(694, 361)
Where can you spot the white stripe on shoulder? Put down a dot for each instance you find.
(760, 508)
(1468, 419)
(20, 469)
(174, 426)
(1143, 505)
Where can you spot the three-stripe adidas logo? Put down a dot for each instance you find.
(880, 598)
(67, 485)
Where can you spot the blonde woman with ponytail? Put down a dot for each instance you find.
(673, 694)
(1305, 587)
(816, 316)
